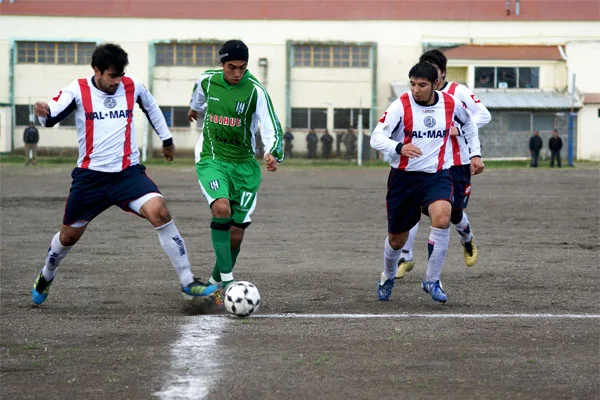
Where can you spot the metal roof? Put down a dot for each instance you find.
(519, 99)
(512, 99)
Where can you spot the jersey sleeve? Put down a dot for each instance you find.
(270, 128)
(63, 104)
(150, 107)
(390, 121)
(198, 100)
(479, 113)
(468, 129)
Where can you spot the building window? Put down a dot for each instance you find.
(306, 118)
(176, 116)
(348, 117)
(22, 114)
(507, 77)
(336, 56)
(187, 54)
(55, 52)
(531, 121)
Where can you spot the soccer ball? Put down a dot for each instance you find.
(242, 299)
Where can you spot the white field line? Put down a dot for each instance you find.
(433, 316)
(194, 360)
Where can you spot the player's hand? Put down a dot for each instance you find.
(271, 162)
(168, 152)
(476, 165)
(454, 131)
(41, 109)
(410, 150)
(193, 115)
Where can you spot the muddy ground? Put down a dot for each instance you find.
(112, 323)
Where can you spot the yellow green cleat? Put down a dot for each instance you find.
(470, 252)
(404, 266)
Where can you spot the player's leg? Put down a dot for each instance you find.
(86, 200)
(149, 204)
(461, 183)
(406, 262)
(403, 213)
(437, 199)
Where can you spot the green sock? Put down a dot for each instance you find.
(221, 239)
(216, 274)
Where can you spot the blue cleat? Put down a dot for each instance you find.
(199, 289)
(40, 290)
(435, 290)
(384, 288)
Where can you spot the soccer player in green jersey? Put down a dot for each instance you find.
(234, 103)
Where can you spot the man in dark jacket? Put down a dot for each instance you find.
(555, 144)
(31, 137)
(311, 144)
(535, 145)
(327, 141)
(288, 146)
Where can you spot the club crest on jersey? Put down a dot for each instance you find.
(110, 102)
(214, 185)
(429, 121)
(240, 107)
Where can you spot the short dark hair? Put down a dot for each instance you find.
(425, 70)
(435, 57)
(110, 55)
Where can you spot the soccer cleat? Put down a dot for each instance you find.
(403, 267)
(220, 299)
(470, 251)
(198, 289)
(384, 288)
(40, 290)
(435, 290)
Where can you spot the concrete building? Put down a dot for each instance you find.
(324, 62)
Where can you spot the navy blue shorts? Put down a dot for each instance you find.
(92, 192)
(408, 192)
(461, 180)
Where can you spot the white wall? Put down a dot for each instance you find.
(398, 48)
(588, 135)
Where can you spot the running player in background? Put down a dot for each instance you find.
(108, 169)
(460, 170)
(415, 131)
(233, 103)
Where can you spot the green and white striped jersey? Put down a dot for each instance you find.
(232, 116)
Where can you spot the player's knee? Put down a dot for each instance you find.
(397, 241)
(221, 209)
(456, 216)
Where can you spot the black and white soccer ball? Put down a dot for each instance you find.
(242, 299)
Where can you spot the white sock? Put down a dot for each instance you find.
(438, 247)
(464, 229)
(174, 246)
(390, 259)
(56, 253)
(407, 252)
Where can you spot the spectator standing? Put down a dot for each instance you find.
(311, 144)
(339, 139)
(555, 144)
(31, 137)
(535, 145)
(350, 143)
(327, 144)
(288, 146)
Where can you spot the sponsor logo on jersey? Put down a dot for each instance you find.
(110, 102)
(227, 121)
(433, 134)
(427, 111)
(382, 119)
(214, 98)
(214, 185)
(240, 107)
(475, 99)
(429, 122)
(90, 116)
(57, 96)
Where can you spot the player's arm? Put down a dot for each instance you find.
(479, 113)
(471, 133)
(57, 109)
(270, 130)
(197, 102)
(390, 123)
(149, 106)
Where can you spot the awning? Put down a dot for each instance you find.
(518, 99)
(478, 52)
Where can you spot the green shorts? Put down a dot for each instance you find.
(237, 182)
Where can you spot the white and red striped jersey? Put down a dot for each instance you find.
(105, 128)
(427, 127)
(479, 113)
